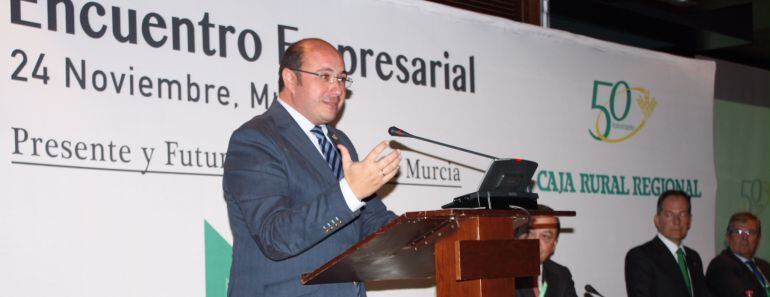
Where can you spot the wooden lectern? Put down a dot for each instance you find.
(470, 253)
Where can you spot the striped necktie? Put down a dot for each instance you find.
(329, 152)
(757, 273)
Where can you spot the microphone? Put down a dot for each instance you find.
(590, 289)
(395, 131)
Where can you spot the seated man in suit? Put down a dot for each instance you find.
(296, 194)
(554, 280)
(664, 267)
(736, 272)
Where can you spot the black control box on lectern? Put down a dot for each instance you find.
(506, 185)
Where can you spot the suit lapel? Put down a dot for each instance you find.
(693, 265)
(550, 279)
(670, 266)
(290, 130)
(745, 271)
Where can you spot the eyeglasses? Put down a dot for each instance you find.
(329, 78)
(744, 232)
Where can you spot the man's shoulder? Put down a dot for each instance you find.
(551, 264)
(556, 267)
(722, 262)
(266, 119)
(265, 123)
(262, 134)
(724, 257)
(258, 129)
(645, 248)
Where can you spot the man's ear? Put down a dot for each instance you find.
(289, 79)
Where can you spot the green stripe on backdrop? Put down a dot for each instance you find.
(218, 260)
(742, 154)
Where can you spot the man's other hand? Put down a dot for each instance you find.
(368, 175)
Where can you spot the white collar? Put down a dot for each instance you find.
(742, 258)
(300, 119)
(670, 245)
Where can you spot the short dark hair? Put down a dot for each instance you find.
(524, 229)
(673, 193)
(291, 59)
(558, 222)
(743, 217)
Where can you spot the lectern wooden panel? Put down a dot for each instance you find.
(482, 228)
(480, 259)
(468, 252)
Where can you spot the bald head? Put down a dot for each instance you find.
(313, 80)
(295, 56)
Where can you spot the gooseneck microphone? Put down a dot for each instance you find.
(590, 289)
(395, 131)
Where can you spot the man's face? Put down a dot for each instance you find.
(744, 244)
(313, 97)
(673, 221)
(544, 229)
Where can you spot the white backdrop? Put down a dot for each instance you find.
(79, 222)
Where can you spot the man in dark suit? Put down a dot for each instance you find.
(294, 200)
(555, 280)
(664, 266)
(736, 272)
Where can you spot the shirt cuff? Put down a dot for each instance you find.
(350, 197)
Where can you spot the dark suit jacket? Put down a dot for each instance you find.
(286, 210)
(727, 276)
(559, 281)
(652, 271)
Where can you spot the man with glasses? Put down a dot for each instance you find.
(736, 272)
(554, 280)
(296, 193)
(664, 266)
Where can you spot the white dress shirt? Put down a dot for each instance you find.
(305, 124)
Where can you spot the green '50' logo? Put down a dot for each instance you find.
(616, 119)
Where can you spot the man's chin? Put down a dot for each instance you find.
(675, 237)
(329, 118)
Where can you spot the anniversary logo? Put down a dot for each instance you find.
(614, 111)
(756, 192)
